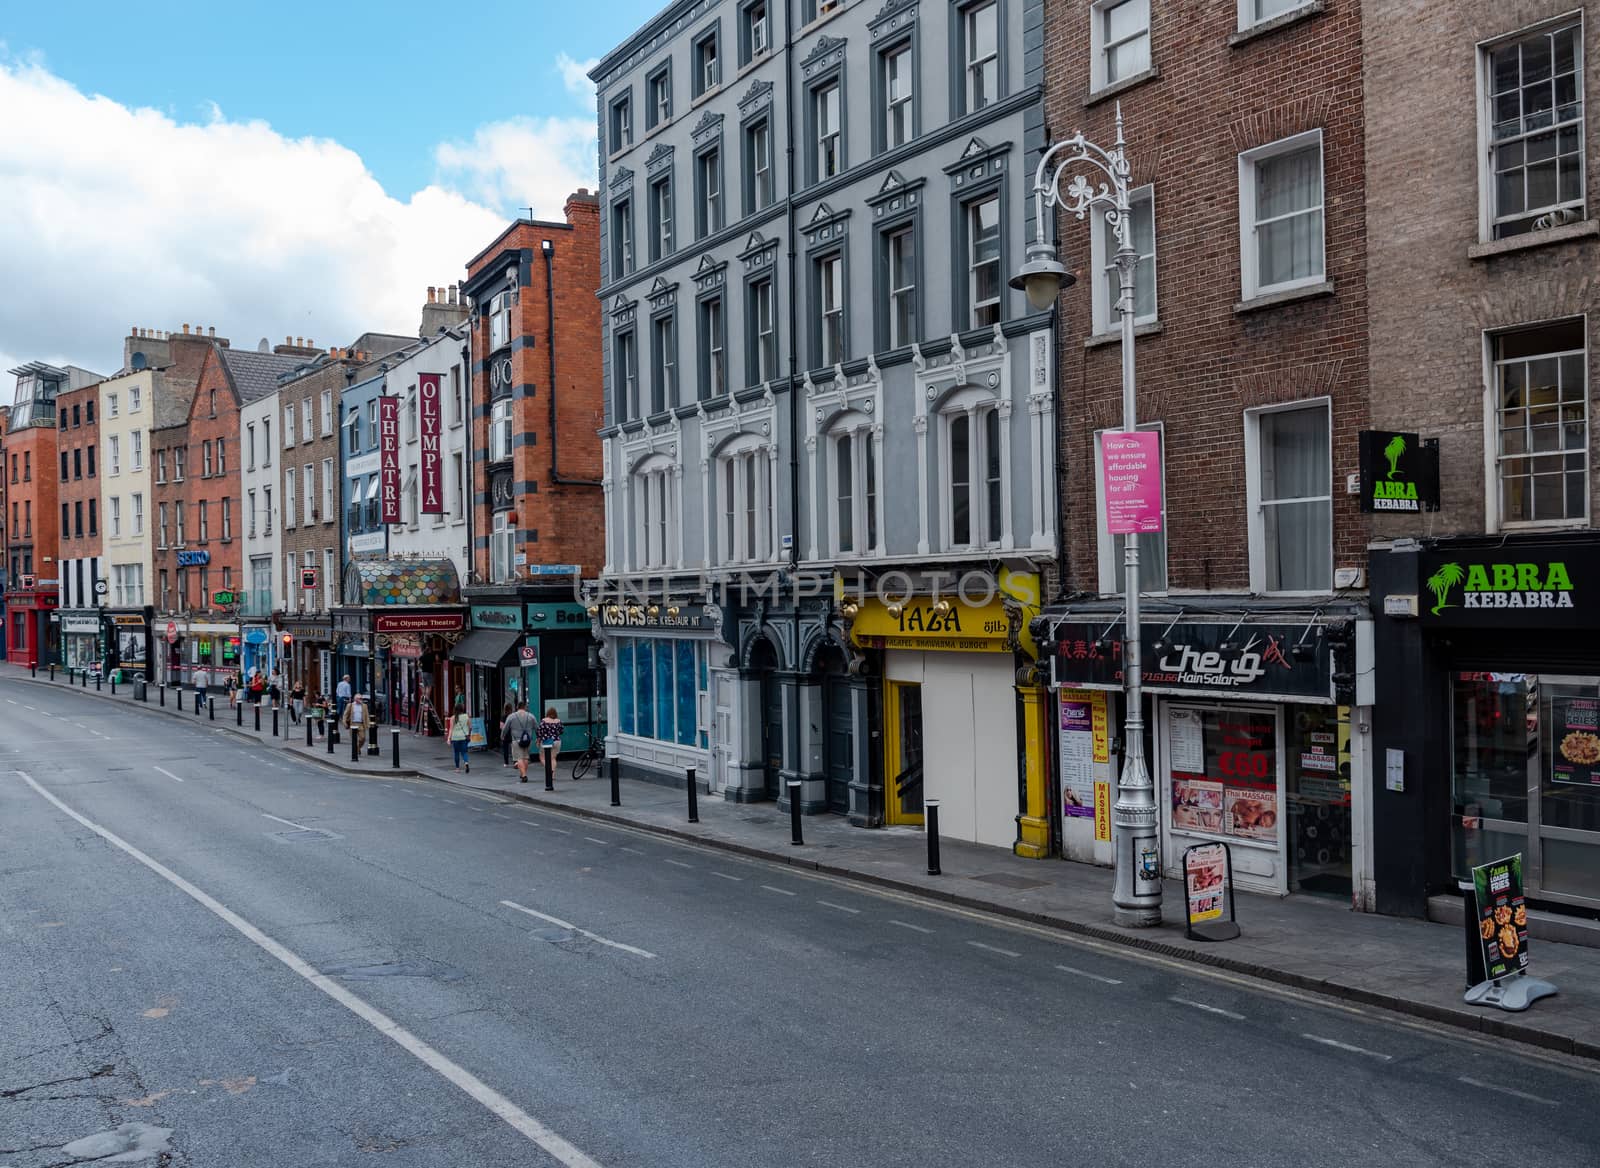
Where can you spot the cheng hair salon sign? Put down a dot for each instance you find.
(1288, 662)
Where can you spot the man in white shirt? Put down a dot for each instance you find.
(341, 695)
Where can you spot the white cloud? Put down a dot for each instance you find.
(112, 217)
(575, 76)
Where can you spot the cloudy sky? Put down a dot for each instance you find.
(274, 169)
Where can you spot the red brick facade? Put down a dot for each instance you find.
(556, 497)
(1213, 94)
(82, 461)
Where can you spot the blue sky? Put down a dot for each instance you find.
(387, 80)
(276, 169)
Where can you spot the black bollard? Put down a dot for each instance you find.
(795, 837)
(308, 732)
(113, 685)
(161, 694)
(97, 678)
(616, 783)
(394, 748)
(931, 814)
(211, 709)
(84, 682)
(355, 745)
(258, 717)
(694, 798)
(549, 772)
(238, 713)
(274, 721)
(33, 669)
(333, 736)
(52, 671)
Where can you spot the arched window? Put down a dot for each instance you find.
(655, 519)
(852, 492)
(744, 502)
(974, 452)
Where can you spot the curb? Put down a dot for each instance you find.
(1486, 1024)
(1460, 1019)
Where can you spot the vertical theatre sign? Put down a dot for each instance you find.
(389, 457)
(431, 470)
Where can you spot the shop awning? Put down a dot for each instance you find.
(491, 647)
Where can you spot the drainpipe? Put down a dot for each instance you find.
(549, 249)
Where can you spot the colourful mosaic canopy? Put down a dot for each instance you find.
(383, 583)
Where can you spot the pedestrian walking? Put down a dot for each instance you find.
(202, 682)
(342, 691)
(520, 729)
(356, 719)
(461, 735)
(549, 734)
(297, 701)
(505, 740)
(274, 686)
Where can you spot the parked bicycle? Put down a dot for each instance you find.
(590, 758)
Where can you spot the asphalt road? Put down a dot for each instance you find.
(218, 955)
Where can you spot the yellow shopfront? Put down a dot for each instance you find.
(949, 715)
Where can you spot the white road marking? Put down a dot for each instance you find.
(25, 706)
(560, 1149)
(289, 822)
(560, 831)
(497, 815)
(1085, 973)
(1512, 1091)
(725, 876)
(1337, 1045)
(1208, 1009)
(447, 800)
(601, 842)
(840, 907)
(909, 925)
(679, 864)
(168, 773)
(994, 949)
(561, 924)
(11, 701)
(779, 891)
(635, 851)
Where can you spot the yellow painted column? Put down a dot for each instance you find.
(1033, 828)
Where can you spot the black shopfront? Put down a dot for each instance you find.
(1487, 726)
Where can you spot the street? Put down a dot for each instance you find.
(226, 956)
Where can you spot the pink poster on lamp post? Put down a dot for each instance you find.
(1131, 464)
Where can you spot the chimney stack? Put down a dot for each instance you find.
(185, 330)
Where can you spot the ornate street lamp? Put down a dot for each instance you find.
(1099, 183)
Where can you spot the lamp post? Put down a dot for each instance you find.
(1098, 183)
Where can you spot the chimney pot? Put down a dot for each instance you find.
(212, 331)
(185, 330)
(430, 293)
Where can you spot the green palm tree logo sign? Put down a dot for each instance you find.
(1393, 451)
(1440, 583)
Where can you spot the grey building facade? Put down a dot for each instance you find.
(824, 405)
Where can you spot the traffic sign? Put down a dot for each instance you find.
(308, 577)
(530, 655)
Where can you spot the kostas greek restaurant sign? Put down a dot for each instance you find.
(1509, 586)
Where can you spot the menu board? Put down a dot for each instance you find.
(1204, 869)
(1502, 917)
(1224, 772)
(1575, 730)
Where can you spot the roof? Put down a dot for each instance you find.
(255, 374)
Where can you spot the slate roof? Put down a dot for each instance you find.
(255, 374)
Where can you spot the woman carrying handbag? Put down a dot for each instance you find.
(461, 736)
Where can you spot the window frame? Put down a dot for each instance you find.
(706, 80)
(833, 80)
(625, 389)
(743, 485)
(1494, 507)
(1489, 222)
(1249, 20)
(865, 487)
(665, 373)
(754, 351)
(711, 339)
(624, 256)
(961, 102)
(1101, 49)
(1102, 256)
(653, 480)
(663, 216)
(501, 436)
(660, 75)
(758, 196)
(964, 200)
(884, 293)
(1250, 287)
(839, 254)
(747, 47)
(1255, 505)
(619, 122)
(909, 44)
(975, 410)
(707, 168)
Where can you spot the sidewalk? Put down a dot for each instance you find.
(1413, 967)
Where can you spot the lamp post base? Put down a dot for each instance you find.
(1143, 917)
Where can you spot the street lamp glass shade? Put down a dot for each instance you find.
(1042, 277)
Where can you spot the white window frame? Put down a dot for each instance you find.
(893, 239)
(114, 455)
(1255, 508)
(111, 405)
(1101, 47)
(502, 545)
(971, 66)
(266, 509)
(458, 491)
(308, 425)
(997, 301)
(227, 519)
(138, 512)
(831, 309)
(709, 165)
(1560, 211)
(894, 103)
(250, 527)
(758, 29)
(330, 583)
(500, 430)
(326, 413)
(1249, 256)
(866, 487)
(744, 503)
(500, 320)
(655, 517)
(764, 323)
(974, 405)
(288, 498)
(1111, 568)
(764, 190)
(330, 506)
(1102, 257)
(829, 144)
(135, 400)
(288, 426)
(1493, 505)
(1248, 18)
(116, 516)
(308, 494)
(250, 446)
(136, 451)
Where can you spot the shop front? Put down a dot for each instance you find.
(421, 685)
(490, 656)
(949, 713)
(1252, 738)
(564, 673)
(305, 654)
(33, 639)
(1489, 717)
(660, 699)
(395, 646)
(212, 646)
(130, 641)
(82, 646)
(257, 652)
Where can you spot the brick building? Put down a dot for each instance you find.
(198, 549)
(1244, 129)
(538, 511)
(33, 495)
(80, 566)
(1483, 339)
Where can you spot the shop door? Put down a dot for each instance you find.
(727, 704)
(1317, 799)
(1527, 779)
(772, 732)
(839, 721)
(902, 755)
